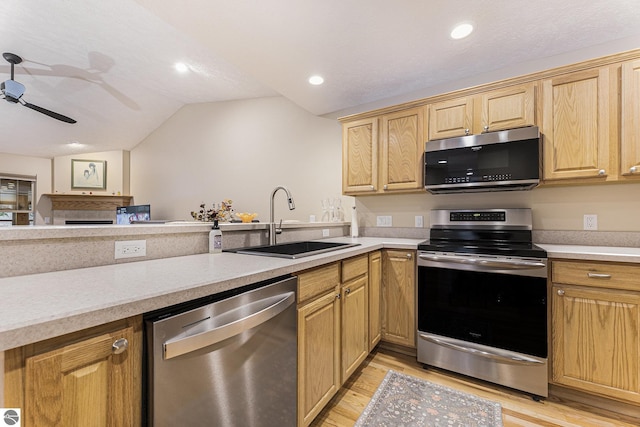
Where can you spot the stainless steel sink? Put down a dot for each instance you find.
(295, 249)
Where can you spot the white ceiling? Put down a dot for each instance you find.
(109, 64)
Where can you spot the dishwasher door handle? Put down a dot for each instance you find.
(179, 346)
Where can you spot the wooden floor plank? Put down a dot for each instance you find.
(518, 409)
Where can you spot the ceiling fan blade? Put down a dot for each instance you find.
(48, 112)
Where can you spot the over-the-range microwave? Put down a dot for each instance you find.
(492, 161)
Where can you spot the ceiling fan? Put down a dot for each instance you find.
(12, 91)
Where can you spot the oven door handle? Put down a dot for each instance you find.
(490, 263)
(510, 358)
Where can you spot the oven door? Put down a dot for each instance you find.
(485, 321)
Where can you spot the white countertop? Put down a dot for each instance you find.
(593, 253)
(40, 306)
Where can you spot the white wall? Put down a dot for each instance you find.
(117, 172)
(38, 166)
(239, 150)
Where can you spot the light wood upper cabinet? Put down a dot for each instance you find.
(630, 137)
(450, 118)
(375, 298)
(498, 109)
(389, 164)
(398, 297)
(596, 329)
(576, 125)
(508, 108)
(360, 156)
(402, 150)
(72, 381)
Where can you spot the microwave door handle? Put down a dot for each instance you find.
(510, 358)
(177, 347)
(505, 264)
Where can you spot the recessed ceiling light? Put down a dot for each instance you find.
(75, 144)
(181, 67)
(461, 31)
(316, 80)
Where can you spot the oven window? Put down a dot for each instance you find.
(498, 310)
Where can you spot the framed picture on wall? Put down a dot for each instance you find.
(88, 174)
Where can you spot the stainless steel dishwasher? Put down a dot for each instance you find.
(231, 362)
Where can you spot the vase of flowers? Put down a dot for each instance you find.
(220, 212)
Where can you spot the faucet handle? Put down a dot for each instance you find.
(279, 227)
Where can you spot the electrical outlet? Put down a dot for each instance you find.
(419, 221)
(131, 249)
(591, 222)
(325, 232)
(384, 221)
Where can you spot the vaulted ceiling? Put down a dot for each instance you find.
(110, 64)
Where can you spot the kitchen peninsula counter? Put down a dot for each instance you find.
(41, 306)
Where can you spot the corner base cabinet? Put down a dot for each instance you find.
(89, 378)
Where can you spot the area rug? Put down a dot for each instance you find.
(402, 401)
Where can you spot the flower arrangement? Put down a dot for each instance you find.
(220, 213)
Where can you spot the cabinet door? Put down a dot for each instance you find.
(398, 290)
(402, 150)
(575, 125)
(630, 142)
(318, 355)
(595, 341)
(451, 118)
(84, 384)
(507, 108)
(375, 295)
(355, 325)
(360, 156)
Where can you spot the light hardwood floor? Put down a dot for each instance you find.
(518, 409)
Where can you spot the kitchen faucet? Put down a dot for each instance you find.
(272, 225)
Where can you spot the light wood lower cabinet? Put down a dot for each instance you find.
(355, 314)
(398, 297)
(375, 299)
(333, 331)
(596, 328)
(78, 379)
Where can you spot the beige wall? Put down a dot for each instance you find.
(239, 150)
(117, 171)
(557, 208)
(38, 166)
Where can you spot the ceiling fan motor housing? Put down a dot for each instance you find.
(12, 90)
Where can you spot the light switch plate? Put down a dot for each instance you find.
(419, 221)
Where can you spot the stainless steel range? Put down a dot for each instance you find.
(482, 298)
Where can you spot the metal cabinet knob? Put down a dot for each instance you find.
(348, 291)
(466, 131)
(409, 256)
(602, 172)
(560, 292)
(486, 128)
(385, 186)
(633, 169)
(119, 346)
(372, 187)
(338, 296)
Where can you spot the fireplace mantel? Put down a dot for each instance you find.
(87, 202)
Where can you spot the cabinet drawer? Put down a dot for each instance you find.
(355, 267)
(317, 281)
(601, 275)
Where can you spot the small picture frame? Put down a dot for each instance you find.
(88, 174)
